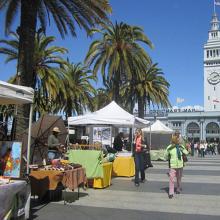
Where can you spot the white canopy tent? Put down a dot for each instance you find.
(15, 94)
(157, 128)
(112, 114)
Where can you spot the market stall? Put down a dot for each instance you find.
(12, 191)
(101, 123)
(40, 130)
(158, 134)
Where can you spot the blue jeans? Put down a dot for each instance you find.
(139, 166)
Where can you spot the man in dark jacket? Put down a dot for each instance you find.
(118, 142)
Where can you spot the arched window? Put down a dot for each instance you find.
(212, 128)
(193, 128)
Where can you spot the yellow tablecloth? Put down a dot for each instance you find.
(106, 180)
(123, 166)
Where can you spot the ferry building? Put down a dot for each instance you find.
(195, 124)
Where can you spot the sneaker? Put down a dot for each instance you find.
(143, 181)
(170, 196)
(178, 192)
(136, 184)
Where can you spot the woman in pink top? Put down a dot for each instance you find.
(139, 156)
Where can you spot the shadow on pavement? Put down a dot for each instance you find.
(166, 189)
(69, 196)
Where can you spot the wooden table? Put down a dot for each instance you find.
(49, 180)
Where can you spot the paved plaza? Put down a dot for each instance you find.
(200, 198)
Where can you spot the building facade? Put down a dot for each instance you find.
(212, 67)
(195, 124)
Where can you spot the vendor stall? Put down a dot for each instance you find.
(40, 131)
(111, 115)
(158, 134)
(18, 95)
(15, 196)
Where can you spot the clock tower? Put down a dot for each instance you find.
(212, 67)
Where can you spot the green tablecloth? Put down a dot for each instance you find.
(91, 160)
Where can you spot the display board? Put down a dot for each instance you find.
(102, 135)
(10, 158)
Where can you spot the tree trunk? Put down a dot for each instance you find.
(141, 107)
(68, 113)
(116, 86)
(116, 91)
(25, 72)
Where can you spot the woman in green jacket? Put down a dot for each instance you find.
(174, 153)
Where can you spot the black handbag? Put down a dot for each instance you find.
(185, 159)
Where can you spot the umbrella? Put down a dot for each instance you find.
(40, 131)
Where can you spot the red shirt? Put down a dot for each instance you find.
(138, 147)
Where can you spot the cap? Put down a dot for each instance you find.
(56, 129)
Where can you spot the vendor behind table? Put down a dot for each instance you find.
(54, 144)
(118, 142)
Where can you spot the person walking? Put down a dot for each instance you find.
(174, 153)
(213, 147)
(192, 148)
(139, 146)
(202, 149)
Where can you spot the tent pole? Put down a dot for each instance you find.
(68, 138)
(29, 138)
(132, 138)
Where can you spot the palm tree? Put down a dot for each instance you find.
(116, 52)
(65, 13)
(103, 97)
(79, 91)
(48, 80)
(150, 87)
(157, 88)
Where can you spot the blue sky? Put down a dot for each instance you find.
(178, 30)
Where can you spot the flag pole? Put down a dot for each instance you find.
(214, 6)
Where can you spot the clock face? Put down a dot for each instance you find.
(213, 78)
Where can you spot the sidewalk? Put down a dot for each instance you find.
(200, 198)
